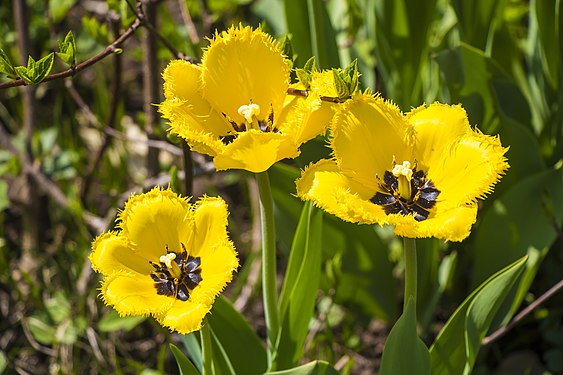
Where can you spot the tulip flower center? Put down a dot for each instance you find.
(176, 274)
(406, 191)
(250, 113)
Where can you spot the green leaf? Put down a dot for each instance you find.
(112, 322)
(184, 364)
(454, 349)
(506, 232)
(402, 32)
(68, 49)
(311, 368)
(58, 9)
(342, 89)
(36, 71)
(3, 362)
(297, 18)
(360, 265)
(236, 339)
(546, 13)
(4, 200)
(40, 329)
(6, 65)
(404, 351)
(194, 350)
(287, 48)
(300, 288)
(322, 34)
(311, 65)
(58, 307)
(478, 19)
(96, 30)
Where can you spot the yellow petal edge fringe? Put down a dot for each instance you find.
(169, 259)
(421, 172)
(235, 107)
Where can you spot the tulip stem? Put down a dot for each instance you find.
(206, 351)
(409, 246)
(269, 291)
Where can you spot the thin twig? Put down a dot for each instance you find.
(112, 48)
(531, 307)
(151, 88)
(188, 21)
(93, 120)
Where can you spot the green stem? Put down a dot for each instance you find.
(269, 291)
(410, 270)
(206, 351)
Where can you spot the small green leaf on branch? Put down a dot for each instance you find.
(6, 66)
(67, 49)
(305, 74)
(36, 71)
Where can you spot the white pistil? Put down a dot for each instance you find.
(403, 172)
(250, 113)
(168, 260)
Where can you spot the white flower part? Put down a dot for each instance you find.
(248, 111)
(167, 259)
(403, 170)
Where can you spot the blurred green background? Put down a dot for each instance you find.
(73, 149)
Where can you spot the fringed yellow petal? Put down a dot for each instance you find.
(367, 134)
(185, 317)
(210, 219)
(450, 224)
(110, 253)
(470, 169)
(199, 141)
(305, 118)
(243, 66)
(328, 188)
(134, 294)
(185, 107)
(155, 220)
(438, 127)
(256, 151)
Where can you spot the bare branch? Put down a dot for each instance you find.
(531, 307)
(112, 48)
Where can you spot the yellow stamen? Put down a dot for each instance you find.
(168, 260)
(250, 113)
(403, 172)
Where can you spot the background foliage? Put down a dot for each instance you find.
(73, 149)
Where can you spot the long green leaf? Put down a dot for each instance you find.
(184, 364)
(507, 233)
(402, 31)
(236, 338)
(297, 18)
(311, 368)
(300, 288)
(193, 349)
(404, 351)
(478, 19)
(451, 350)
(323, 37)
(546, 14)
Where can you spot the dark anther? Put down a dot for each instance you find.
(228, 139)
(167, 284)
(423, 195)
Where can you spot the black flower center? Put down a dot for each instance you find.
(423, 195)
(176, 274)
(266, 125)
